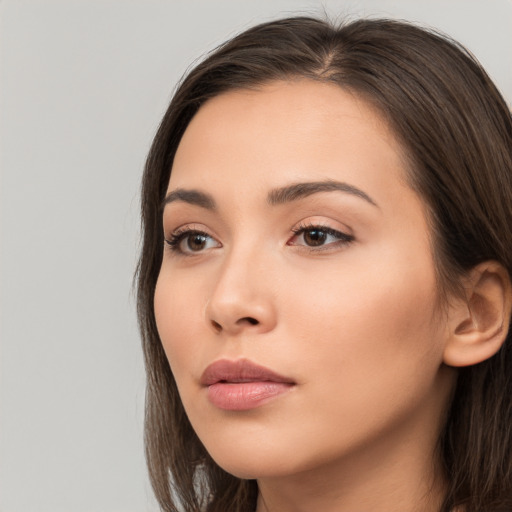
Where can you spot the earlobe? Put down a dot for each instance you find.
(479, 324)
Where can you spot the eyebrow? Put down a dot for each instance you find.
(275, 197)
(300, 190)
(195, 197)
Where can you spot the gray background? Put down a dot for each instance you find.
(83, 87)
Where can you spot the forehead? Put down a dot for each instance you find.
(303, 130)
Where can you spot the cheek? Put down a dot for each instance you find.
(368, 325)
(369, 349)
(178, 307)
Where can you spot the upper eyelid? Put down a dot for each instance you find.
(303, 224)
(314, 221)
(342, 235)
(189, 226)
(313, 224)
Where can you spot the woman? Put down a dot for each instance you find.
(324, 286)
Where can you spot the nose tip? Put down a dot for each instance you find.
(236, 305)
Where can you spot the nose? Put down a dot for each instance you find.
(242, 299)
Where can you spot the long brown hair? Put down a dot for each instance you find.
(456, 130)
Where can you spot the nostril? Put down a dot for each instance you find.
(250, 320)
(216, 326)
(246, 320)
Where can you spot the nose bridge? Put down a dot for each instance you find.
(241, 297)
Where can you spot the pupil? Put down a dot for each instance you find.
(314, 237)
(196, 242)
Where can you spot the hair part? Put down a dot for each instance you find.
(456, 131)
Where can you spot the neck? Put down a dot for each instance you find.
(382, 483)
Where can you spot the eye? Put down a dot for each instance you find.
(190, 241)
(319, 237)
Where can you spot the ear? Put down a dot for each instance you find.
(479, 323)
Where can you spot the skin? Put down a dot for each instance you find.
(355, 324)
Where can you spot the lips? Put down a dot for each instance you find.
(242, 385)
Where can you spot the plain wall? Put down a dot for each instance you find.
(83, 87)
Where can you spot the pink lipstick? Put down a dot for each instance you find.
(242, 385)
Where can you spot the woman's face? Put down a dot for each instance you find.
(299, 266)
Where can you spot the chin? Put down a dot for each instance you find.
(255, 460)
(255, 469)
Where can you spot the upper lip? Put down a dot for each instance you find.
(241, 370)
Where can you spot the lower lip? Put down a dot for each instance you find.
(242, 396)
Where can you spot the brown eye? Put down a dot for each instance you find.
(191, 241)
(196, 241)
(320, 237)
(315, 237)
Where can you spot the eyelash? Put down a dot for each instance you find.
(176, 238)
(343, 238)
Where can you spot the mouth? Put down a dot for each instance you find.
(242, 385)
